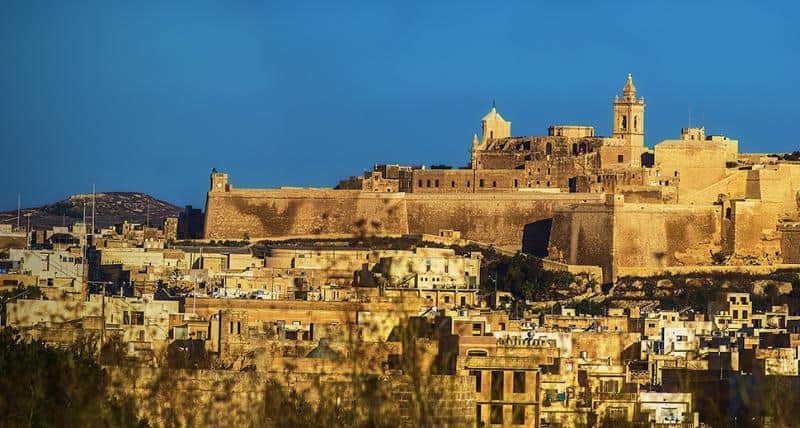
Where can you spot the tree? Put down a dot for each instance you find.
(174, 286)
(524, 276)
(42, 385)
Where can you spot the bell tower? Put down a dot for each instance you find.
(629, 115)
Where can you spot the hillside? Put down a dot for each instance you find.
(111, 208)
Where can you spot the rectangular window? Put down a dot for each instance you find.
(617, 413)
(518, 414)
(497, 385)
(744, 314)
(620, 158)
(735, 314)
(476, 329)
(496, 415)
(478, 415)
(138, 318)
(481, 183)
(610, 386)
(519, 382)
(478, 378)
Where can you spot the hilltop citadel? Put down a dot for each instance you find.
(570, 196)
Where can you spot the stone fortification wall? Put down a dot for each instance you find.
(618, 235)
(666, 235)
(644, 272)
(501, 219)
(698, 164)
(583, 236)
(790, 242)
(259, 213)
(733, 186)
(498, 218)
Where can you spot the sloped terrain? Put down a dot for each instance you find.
(111, 208)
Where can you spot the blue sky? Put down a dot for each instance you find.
(149, 96)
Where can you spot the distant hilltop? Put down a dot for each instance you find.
(111, 208)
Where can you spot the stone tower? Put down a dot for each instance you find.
(219, 181)
(629, 115)
(494, 126)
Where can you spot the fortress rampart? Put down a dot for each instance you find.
(616, 234)
(501, 218)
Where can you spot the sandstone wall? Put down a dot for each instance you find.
(583, 236)
(790, 243)
(618, 235)
(283, 212)
(733, 185)
(665, 235)
(498, 218)
(644, 272)
(698, 164)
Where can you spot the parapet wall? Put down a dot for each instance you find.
(498, 218)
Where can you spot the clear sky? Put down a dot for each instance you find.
(149, 96)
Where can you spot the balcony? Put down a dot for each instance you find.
(614, 396)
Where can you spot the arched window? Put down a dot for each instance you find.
(516, 183)
(452, 184)
(428, 183)
(437, 182)
(624, 122)
(574, 149)
(635, 123)
(468, 183)
(491, 135)
(583, 147)
(494, 184)
(548, 149)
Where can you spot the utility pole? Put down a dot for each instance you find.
(28, 232)
(103, 316)
(93, 210)
(194, 294)
(83, 253)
